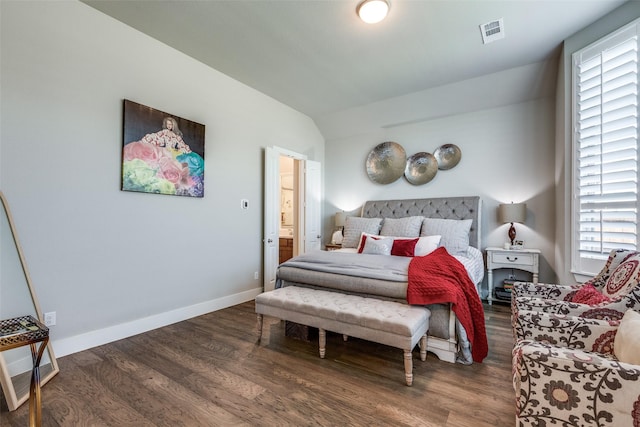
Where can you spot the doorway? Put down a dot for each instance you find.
(303, 192)
(289, 201)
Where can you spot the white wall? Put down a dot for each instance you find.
(112, 263)
(563, 145)
(507, 155)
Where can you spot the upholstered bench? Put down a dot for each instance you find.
(385, 322)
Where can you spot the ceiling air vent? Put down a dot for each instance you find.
(492, 31)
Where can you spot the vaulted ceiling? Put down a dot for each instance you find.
(319, 58)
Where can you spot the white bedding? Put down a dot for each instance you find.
(472, 261)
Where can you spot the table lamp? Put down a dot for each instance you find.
(510, 213)
(339, 219)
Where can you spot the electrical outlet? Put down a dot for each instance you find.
(50, 318)
(255, 275)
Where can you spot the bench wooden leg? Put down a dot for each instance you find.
(423, 348)
(259, 326)
(408, 366)
(322, 341)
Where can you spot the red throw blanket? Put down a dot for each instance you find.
(440, 278)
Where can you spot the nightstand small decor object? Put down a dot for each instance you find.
(336, 238)
(517, 245)
(523, 259)
(510, 213)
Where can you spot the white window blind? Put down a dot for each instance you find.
(606, 148)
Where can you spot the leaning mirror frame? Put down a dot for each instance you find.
(14, 375)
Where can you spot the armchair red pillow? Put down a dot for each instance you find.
(589, 295)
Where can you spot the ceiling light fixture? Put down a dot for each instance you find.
(373, 11)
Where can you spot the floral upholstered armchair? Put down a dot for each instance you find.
(607, 296)
(566, 372)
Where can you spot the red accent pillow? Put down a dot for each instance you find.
(589, 295)
(404, 247)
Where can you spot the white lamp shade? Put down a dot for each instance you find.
(340, 218)
(373, 11)
(512, 212)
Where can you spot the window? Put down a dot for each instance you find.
(605, 141)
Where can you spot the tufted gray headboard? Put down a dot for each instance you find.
(438, 207)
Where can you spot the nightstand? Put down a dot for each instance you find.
(520, 259)
(332, 246)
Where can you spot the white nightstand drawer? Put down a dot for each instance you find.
(513, 257)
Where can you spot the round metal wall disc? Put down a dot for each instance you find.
(386, 162)
(421, 168)
(447, 155)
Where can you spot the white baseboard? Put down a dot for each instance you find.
(66, 346)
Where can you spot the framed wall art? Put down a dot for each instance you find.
(162, 153)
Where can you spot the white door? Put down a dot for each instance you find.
(312, 206)
(271, 217)
(309, 209)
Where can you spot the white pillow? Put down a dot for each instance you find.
(363, 238)
(426, 245)
(381, 246)
(354, 227)
(626, 345)
(454, 232)
(402, 227)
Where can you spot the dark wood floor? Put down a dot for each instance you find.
(211, 371)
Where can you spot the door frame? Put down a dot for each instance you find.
(271, 211)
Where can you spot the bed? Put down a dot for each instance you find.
(380, 276)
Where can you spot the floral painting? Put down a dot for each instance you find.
(162, 153)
